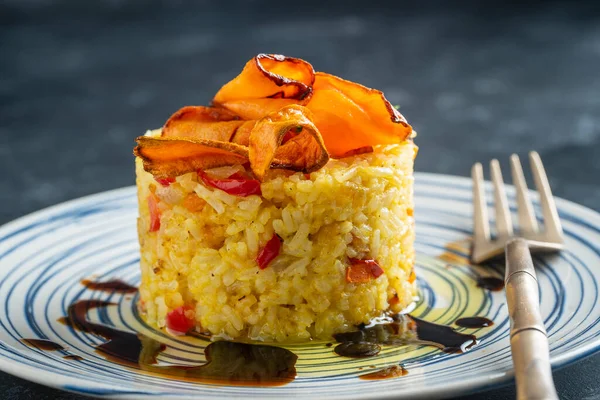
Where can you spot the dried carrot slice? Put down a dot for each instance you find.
(198, 122)
(304, 152)
(166, 157)
(259, 117)
(201, 114)
(350, 116)
(242, 134)
(267, 83)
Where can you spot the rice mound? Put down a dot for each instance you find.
(204, 254)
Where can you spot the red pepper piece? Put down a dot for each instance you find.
(178, 323)
(165, 181)
(361, 271)
(154, 213)
(239, 186)
(269, 252)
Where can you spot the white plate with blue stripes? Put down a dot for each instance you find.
(45, 255)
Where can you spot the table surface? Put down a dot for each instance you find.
(79, 83)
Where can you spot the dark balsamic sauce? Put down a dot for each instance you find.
(474, 322)
(246, 364)
(73, 357)
(490, 283)
(444, 337)
(405, 329)
(114, 285)
(360, 349)
(229, 363)
(121, 347)
(43, 344)
(395, 371)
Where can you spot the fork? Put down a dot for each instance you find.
(528, 337)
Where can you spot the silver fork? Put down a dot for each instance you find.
(528, 338)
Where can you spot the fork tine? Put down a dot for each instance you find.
(552, 223)
(481, 225)
(504, 226)
(527, 222)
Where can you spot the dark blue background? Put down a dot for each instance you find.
(80, 79)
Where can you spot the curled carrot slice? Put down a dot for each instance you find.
(350, 116)
(198, 122)
(277, 113)
(242, 134)
(267, 83)
(304, 152)
(167, 157)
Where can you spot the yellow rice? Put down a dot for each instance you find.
(357, 207)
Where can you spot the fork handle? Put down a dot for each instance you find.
(528, 338)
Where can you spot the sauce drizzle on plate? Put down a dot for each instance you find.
(474, 322)
(248, 364)
(403, 329)
(113, 285)
(43, 344)
(229, 363)
(490, 283)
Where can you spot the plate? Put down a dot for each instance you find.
(44, 257)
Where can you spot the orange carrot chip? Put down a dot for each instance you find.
(350, 116)
(304, 152)
(165, 157)
(266, 84)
